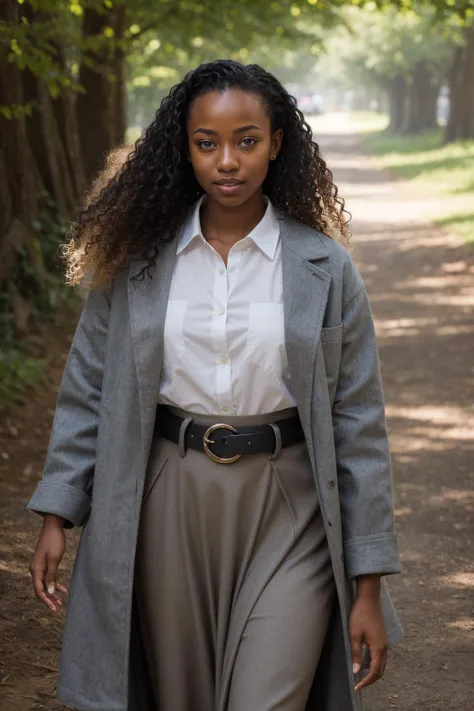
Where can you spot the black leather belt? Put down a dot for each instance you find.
(224, 443)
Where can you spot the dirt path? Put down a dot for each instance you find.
(421, 284)
(420, 281)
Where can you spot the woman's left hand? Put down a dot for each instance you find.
(366, 624)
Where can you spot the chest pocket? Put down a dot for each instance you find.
(173, 334)
(266, 338)
(331, 345)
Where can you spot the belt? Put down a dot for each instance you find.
(225, 443)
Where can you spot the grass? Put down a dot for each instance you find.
(444, 173)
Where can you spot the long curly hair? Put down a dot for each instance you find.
(142, 197)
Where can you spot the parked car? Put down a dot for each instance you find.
(311, 104)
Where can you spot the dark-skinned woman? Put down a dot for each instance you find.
(220, 430)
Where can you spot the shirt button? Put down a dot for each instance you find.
(221, 271)
(232, 269)
(226, 409)
(220, 312)
(224, 359)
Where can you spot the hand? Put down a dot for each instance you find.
(366, 624)
(46, 558)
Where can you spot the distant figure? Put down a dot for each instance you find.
(220, 430)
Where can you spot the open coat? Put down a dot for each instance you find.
(101, 437)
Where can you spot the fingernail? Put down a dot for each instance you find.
(355, 668)
(51, 589)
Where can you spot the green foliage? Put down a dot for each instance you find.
(19, 374)
(375, 46)
(37, 279)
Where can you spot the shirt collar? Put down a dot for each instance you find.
(265, 234)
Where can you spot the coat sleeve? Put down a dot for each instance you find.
(362, 449)
(65, 487)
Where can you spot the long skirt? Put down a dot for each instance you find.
(234, 582)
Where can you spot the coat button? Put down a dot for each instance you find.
(329, 523)
(331, 483)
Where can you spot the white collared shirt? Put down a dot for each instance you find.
(224, 343)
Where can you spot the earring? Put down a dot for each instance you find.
(273, 158)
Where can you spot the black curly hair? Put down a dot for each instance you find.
(134, 207)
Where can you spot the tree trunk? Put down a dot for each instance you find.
(47, 141)
(421, 104)
(460, 123)
(20, 181)
(66, 119)
(119, 101)
(95, 105)
(396, 99)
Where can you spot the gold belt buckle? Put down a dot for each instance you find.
(206, 442)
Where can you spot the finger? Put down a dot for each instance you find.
(374, 672)
(62, 589)
(38, 586)
(356, 649)
(51, 574)
(384, 662)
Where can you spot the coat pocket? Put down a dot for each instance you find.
(333, 334)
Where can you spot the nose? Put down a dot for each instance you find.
(227, 160)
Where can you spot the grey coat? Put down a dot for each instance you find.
(101, 437)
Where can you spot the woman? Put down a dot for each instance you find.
(220, 429)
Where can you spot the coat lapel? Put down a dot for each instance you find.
(148, 300)
(305, 294)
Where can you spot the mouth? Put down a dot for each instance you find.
(228, 186)
(229, 182)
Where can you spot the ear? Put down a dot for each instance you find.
(275, 144)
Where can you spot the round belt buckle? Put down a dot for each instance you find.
(206, 442)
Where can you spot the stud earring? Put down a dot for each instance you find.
(273, 158)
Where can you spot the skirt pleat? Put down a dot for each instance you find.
(233, 580)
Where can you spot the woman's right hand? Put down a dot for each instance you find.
(48, 554)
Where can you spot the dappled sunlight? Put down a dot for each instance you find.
(440, 281)
(446, 416)
(451, 299)
(466, 624)
(14, 569)
(402, 511)
(459, 580)
(388, 328)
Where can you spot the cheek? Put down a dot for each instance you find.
(257, 167)
(201, 162)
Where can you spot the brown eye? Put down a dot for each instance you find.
(248, 142)
(205, 145)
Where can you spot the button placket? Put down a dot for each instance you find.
(223, 380)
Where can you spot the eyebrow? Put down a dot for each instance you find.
(242, 129)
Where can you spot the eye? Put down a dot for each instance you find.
(205, 144)
(248, 142)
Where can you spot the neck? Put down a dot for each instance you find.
(231, 224)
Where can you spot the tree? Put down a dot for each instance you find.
(63, 75)
(460, 124)
(405, 54)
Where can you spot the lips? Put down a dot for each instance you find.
(229, 182)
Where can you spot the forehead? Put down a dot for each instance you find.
(228, 109)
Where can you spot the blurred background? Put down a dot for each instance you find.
(388, 89)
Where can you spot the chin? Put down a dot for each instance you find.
(240, 198)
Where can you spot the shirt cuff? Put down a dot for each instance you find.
(376, 554)
(60, 499)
